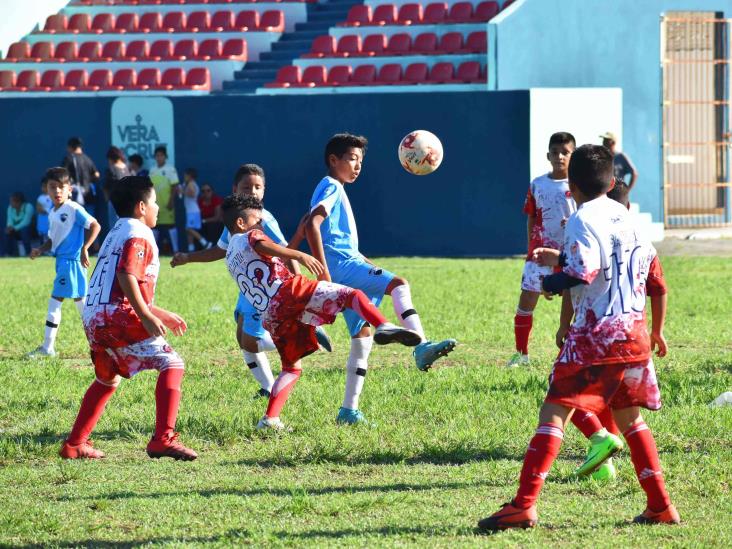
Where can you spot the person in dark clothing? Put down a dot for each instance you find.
(82, 171)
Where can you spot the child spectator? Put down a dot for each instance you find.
(18, 228)
(116, 170)
(136, 164)
(165, 179)
(193, 212)
(212, 220)
(82, 171)
(43, 206)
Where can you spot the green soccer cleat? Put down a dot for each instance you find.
(346, 416)
(40, 352)
(427, 352)
(323, 339)
(603, 445)
(517, 359)
(605, 472)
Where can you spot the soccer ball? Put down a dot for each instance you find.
(420, 152)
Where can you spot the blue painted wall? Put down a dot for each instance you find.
(470, 207)
(598, 43)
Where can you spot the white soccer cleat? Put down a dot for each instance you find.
(518, 359)
(40, 352)
(390, 333)
(271, 424)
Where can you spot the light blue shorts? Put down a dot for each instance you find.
(193, 220)
(252, 324)
(360, 275)
(70, 279)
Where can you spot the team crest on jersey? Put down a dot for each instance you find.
(64, 217)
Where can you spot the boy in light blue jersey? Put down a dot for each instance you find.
(69, 224)
(333, 239)
(253, 339)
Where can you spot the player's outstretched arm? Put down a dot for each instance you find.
(264, 247)
(172, 321)
(45, 247)
(131, 288)
(658, 311)
(91, 235)
(315, 241)
(201, 256)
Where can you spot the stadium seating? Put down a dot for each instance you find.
(7, 80)
(416, 14)
(287, 76)
(74, 80)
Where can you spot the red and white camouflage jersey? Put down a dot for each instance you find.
(259, 277)
(604, 250)
(109, 319)
(551, 203)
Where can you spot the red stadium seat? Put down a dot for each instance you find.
(149, 2)
(374, 44)
(485, 11)
(287, 76)
(74, 80)
(222, 21)
(272, 21)
(102, 22)
(89, 51)
(363, 75)
(469, 73)
(7, 80)
(425, 43)
(98, 79)
(80, 22)
(123, 79)
(399, 44)
(18, 51)
(50, 80)
(56, 23)
(127, 22)
(235, 48)
(137, 50)
(66, 51)
(435, 13)
(198, 21)
(461, 12)
(416, 73)
(339, 75)
(209, 49)
(147, 79)
(477, 42)
(441, 73)
(506, 3)
(384, 14)
(150, 22)
(174, 21)
(172, 79)
(247, 20)
(410, 14)
(313, 76)
(113, 50)
(349, 45)
(161, 49)
(26, 80)
(358, 15)
(323, 46)
(198, 79)
(185, 49)
(42, 51)
(451, 42)
(391, 73)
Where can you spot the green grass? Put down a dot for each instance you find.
(446, 449)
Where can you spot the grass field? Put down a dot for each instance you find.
(446, 449)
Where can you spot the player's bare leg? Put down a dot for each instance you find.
(522, 324)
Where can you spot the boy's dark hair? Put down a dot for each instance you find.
(115, 154)
(341, 142)
(128, 191)
(19, 196)
(591, 170)
(620, 193)
(163, 149)
(234, 206)
(248, 169)
(58, 174)
(562, 138)
(137, 159)
(74, 142)
(193, 172)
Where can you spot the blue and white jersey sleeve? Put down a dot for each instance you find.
(327, 194)
(83, 218)
(223, 242)
(66, 229)
(272, 229)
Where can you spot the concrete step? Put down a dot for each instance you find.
(322, 26)
(292, 45)
(299, 35)
(255, 74)
(281, 55)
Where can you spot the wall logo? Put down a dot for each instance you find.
(139, 124)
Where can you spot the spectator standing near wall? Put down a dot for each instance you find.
(212, 219)
(136, 165)
(44, 203)
(622, 165)
(165, 180)
(18, 229)
(116, 170)
(191, 192)
(83, 172)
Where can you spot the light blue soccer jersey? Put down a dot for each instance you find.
(269, 225)
(66, 229)
(338, 231)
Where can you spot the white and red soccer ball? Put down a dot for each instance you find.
(420, 152)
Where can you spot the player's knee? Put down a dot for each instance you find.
(248, 343)
(110, 382)
(396, 282)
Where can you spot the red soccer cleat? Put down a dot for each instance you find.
(170, 447)
(85, 450)
(510, 517)
(668, 516)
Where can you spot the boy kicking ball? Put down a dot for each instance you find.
(291, 305)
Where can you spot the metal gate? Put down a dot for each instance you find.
(695, 49)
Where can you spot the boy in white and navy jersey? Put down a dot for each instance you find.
(71, 230)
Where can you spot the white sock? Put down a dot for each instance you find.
(21, 249)
(258, 364)
(173, 233)
(203, 242)
(53, 319)
(80, 306)
(402, 299)
(265, 343)
(356, 367)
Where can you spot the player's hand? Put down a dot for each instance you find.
(561, 336)
(172, 321)
(658, 341)
(312, 264)
(300, 231)
(84, 258)
(35, 252)
(548, 296)
(153, 325)
(179, 258)
(546, 257)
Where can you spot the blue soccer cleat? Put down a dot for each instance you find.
(427, 352)
(323, 339)
(346, 416)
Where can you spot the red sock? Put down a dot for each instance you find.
(522, 323)
(644, 455)
(281, 390)
(167, 401)
(92, 407)
(587, 422)
(608, 421)
(540, 455)
(365, 309)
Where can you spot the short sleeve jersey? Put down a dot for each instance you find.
(269, 225)
(66, 229)
(338, 230)
(258, 277)
(109, 319)
(551, 203)
(605, 251)
(163, 179)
